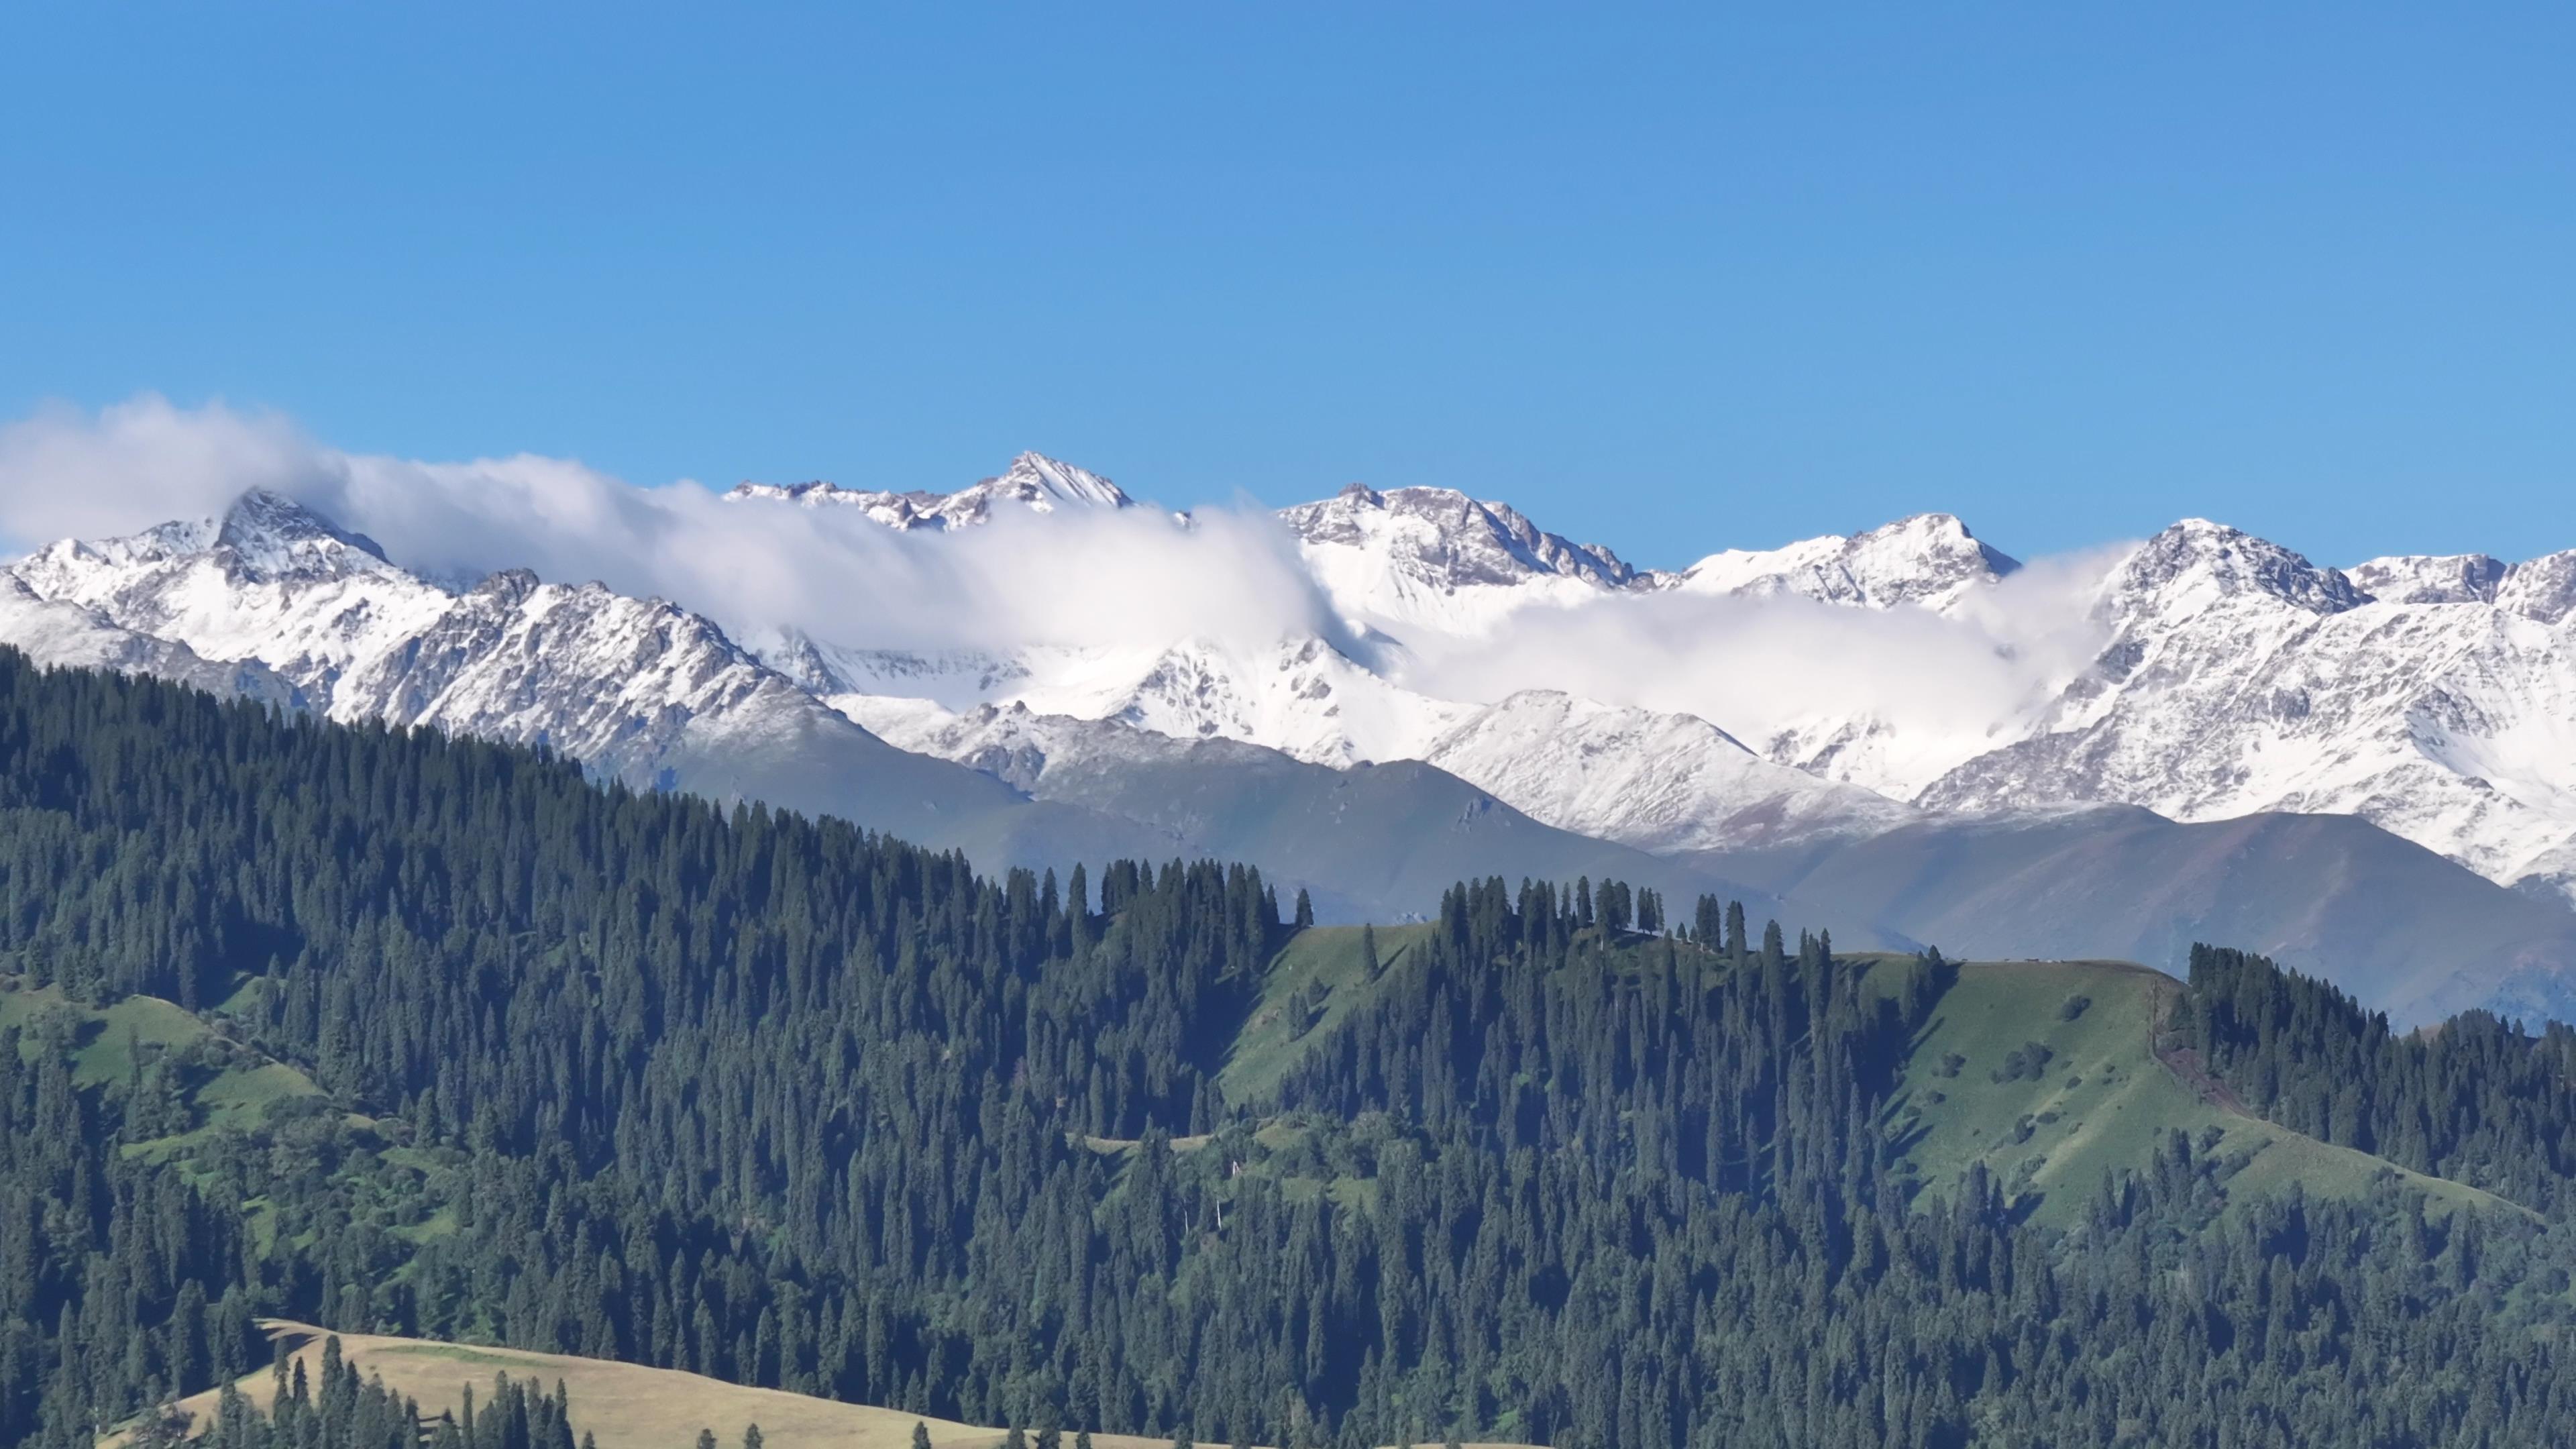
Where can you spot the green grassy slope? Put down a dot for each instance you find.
(2101, 1100)
(1328, 963)
(221, 1083)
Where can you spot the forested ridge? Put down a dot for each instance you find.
(788, 1103)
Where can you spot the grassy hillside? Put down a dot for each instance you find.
(2047, 1072)
(623, 1405)
(2012, 1073)
(217, 1082)
(1327, 964)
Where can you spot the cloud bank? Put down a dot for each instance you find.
(1077, 578)
(1791, 677)
(1764, 669)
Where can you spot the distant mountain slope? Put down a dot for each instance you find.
(1930, 559)
(1657, 781)
(2433, 696)
(2411, 933)
(638, 690)
(1037, 483)
(1374, 842)
(2240, 678)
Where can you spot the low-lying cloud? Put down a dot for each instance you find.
(1081, 577)
(1765, 669)
(1790, 676)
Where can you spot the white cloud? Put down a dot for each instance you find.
(65, 473)
(1781, 673)
(1792, 677)
(1079, 577)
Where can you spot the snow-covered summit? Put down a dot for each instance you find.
(1416, 557)
(2196, 564)
(1033, 481)
(2543, 588)
(280, 601)
(2431, 696)
(2460, 578)
(1930, 559)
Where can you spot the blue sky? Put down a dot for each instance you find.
(1672, 278)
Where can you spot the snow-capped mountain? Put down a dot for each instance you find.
(1930, 559)
(2239, 677)
(68, 636)
(2424, 694)
(1039, 484)
(1301, 696)
(2217, 677)
(613, 680)
(1416, 561)
(273, 600)
(1660, 782)
(1408, 558)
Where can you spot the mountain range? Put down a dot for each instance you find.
(2367, 772)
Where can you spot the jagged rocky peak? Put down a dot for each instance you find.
(260, 538)
(1928, 559)
(2543, 588)
(1445, 536)
(2459, 578)
(270, 535)
(1040, 482)
(2196, 563)
(1036, 482)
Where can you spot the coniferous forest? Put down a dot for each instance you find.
(787, 1103)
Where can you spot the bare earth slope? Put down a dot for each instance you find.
(626, 1406)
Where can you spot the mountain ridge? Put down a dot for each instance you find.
(2235, 679)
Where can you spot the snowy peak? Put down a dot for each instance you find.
(1033, 481)
(1442, 536)
(1043, 483)
(1929, 559)
(2543, 589)
(275, 600)
(263, 537)
(1435, 558)
(2196, 564)
(2460, 578)
(270, 536)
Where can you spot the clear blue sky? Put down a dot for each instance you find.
(1674, 278)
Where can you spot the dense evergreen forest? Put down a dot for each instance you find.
(791, 1104)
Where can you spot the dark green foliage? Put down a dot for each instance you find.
(2030, 1060)
(342, 1410)
(2481, 1099)
(791, 1104)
